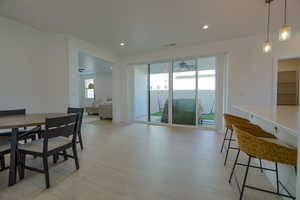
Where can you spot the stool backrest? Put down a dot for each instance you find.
(232, 119)
(260, 148)
(60, 126)
(255, 130)
(12, 112)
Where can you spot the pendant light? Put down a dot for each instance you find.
(285, 31)
(267, 46)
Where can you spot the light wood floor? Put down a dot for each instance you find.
(139, 162)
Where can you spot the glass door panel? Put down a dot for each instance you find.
(159, 92)
(141, 92)
(206, 91)
(184, 92)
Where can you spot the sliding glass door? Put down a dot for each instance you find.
(181, 92)
(184, 92)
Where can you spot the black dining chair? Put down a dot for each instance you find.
(79, 112)
(4, 136)
(59, 135)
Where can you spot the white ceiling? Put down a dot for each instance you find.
(92, 64)
(149, 24)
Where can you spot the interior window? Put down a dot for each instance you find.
(89, 88)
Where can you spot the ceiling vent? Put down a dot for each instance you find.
(170, 45)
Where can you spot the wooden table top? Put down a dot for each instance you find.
(20, 121)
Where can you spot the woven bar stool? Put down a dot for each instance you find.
(229, 121)
(270, 149)
(255, 131)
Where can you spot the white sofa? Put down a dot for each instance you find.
(94, 108)
(105, 110)
(101, 107)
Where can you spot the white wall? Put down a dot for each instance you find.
(17, 88)
(55, 95)
(26, 57)
(103, 84)
(121, 94)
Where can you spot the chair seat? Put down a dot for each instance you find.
(37, 145)
(277, 141)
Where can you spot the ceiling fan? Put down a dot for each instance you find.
(183, 66)
(82, 69)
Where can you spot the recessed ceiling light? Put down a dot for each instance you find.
(122, 44)
(205, 27)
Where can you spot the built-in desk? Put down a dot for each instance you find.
(283, 122)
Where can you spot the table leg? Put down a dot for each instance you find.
(13, 157)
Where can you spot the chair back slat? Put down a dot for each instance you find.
(79, 112)
(60, 126)
(65, 131)
(4, 113)
(60, 121)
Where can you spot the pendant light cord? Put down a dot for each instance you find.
(285, 8)
(268, 26)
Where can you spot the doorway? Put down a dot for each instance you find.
(288, 82)
(95, 85)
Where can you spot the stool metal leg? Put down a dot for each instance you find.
(235, 162)
(277, 179)
(279, 185)
(245, 178)
(225, 136)
(261, 167)
(228, 148)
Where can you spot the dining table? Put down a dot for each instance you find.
(14, 123)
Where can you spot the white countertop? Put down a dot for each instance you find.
(286, 117)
